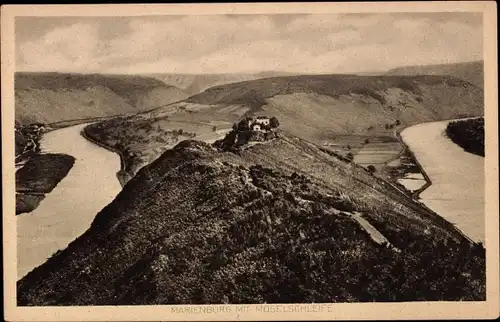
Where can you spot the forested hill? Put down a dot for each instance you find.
(281, 222)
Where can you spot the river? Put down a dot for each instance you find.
(69, 209)
(457, 190)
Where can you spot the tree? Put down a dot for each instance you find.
(371, 168)
(367, 141)
(214, 128)
(349, 156)
(274, 122)
(243, 125)
(398, 122)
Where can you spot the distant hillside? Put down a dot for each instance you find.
(53, 97)
(315, 107)
(195, 83)
(282, 222)
(348, 103)
(472, 72)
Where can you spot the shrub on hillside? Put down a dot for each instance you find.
(274, 123)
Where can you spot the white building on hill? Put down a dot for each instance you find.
(256, 127)
(263, 120)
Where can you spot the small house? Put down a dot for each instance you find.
(263, 120)
(256, 127)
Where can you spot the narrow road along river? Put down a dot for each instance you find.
(69, 209)
(457, 190)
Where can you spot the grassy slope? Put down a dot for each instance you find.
(202, 226)
(471, 72)
(316, 107)
(194, 83)
(52, 97)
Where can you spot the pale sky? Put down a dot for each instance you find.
(333, 43)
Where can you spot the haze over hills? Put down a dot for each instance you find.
(53, 97)
(472, 72)
(281, 222)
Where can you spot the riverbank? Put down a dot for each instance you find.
(428, 182)
(122, 175)
(455, 178)
(69, 209)
(37, 172)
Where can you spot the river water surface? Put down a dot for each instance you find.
(457, 190)
(69, 209)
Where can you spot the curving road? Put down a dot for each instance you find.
(457, 189)
(70, 208)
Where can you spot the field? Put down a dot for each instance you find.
(366, 150)
(142, 141)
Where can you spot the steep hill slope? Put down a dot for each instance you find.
(472, 72)
(53, 97)
(195, 83)
(324, 105)
(281, 222)
(315, 107)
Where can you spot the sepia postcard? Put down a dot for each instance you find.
(252, 161)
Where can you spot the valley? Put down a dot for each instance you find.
(70, 205)
(55, 97)
(331, 188)
(320, 108)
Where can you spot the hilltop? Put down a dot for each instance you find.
(54, 97)
(282, 221)
(472, 72)
(193, 84)
(314, 107)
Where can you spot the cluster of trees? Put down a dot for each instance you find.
(390, 126)
(469, 134)
(27, 138)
